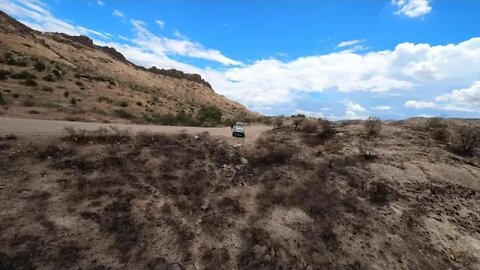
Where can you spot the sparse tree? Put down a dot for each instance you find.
(372, 126)
(297, 121)
(466, 138)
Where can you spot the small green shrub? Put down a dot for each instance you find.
(123, 114)
(2, 101)
(438, 128)
(30, 82)
(29, 103)
(4, 74)
(49, 78)
(179, 119)
(24, 75)
(39, 66)
(123, 103)
(105, 99)
(209, 115)
(57, 73)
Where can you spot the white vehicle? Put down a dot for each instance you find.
(238, 130)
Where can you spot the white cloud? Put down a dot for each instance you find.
(37, 15)
(349, 43)
(118, 13)
(161, 45)
(160, 24)
(413, 104)
(309, 113)
(412, 8)
(100, 2)
(467, 99)
(382, 108)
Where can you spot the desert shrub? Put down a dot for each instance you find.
(139, 103)
(73, 101)
(179, 119)
(437, 127)
(309, 126)
(56, 73)
(380, 193)
(30, 82)
(39, 66)
(297, 120)
(49, 78)
(28, 103)
(123, 114)
(326, 130)
(15, 95)
(66, 94)
(270, 150)
(278, 122)
(24, 75)
(209, 115)
(372, 126)
(123, 103)
(33, 112)
(465, 139)
(367, 150)
(79, 83)
(105, 99)
(2, 101)
(4, 74)
(47, 89)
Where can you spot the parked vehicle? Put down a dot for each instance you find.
(238, 130)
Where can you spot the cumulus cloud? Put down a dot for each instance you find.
(118, 13)
(100, 2)
(412, 8)
(413, 104)
(382, 108)
(467, 99)
(161, 45)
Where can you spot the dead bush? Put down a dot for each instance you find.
(379, 193)
(278, 122)
(270, 150)
(367, 150)
(326, 130)
(297, 121)
(465, 139)
(309, 126)
(372, 126)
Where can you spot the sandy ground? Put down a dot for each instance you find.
(301, 201)
(38, 127)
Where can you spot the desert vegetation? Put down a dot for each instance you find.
(329, 198)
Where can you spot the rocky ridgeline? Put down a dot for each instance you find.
(78, 41)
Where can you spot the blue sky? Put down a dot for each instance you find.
(335, 59)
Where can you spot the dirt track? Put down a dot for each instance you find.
(37, 127)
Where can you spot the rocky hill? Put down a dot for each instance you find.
(58, 76)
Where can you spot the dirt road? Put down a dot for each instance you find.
(35, 127)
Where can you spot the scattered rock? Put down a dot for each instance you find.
(244, 161)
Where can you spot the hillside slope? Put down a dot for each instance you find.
(57, 76)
